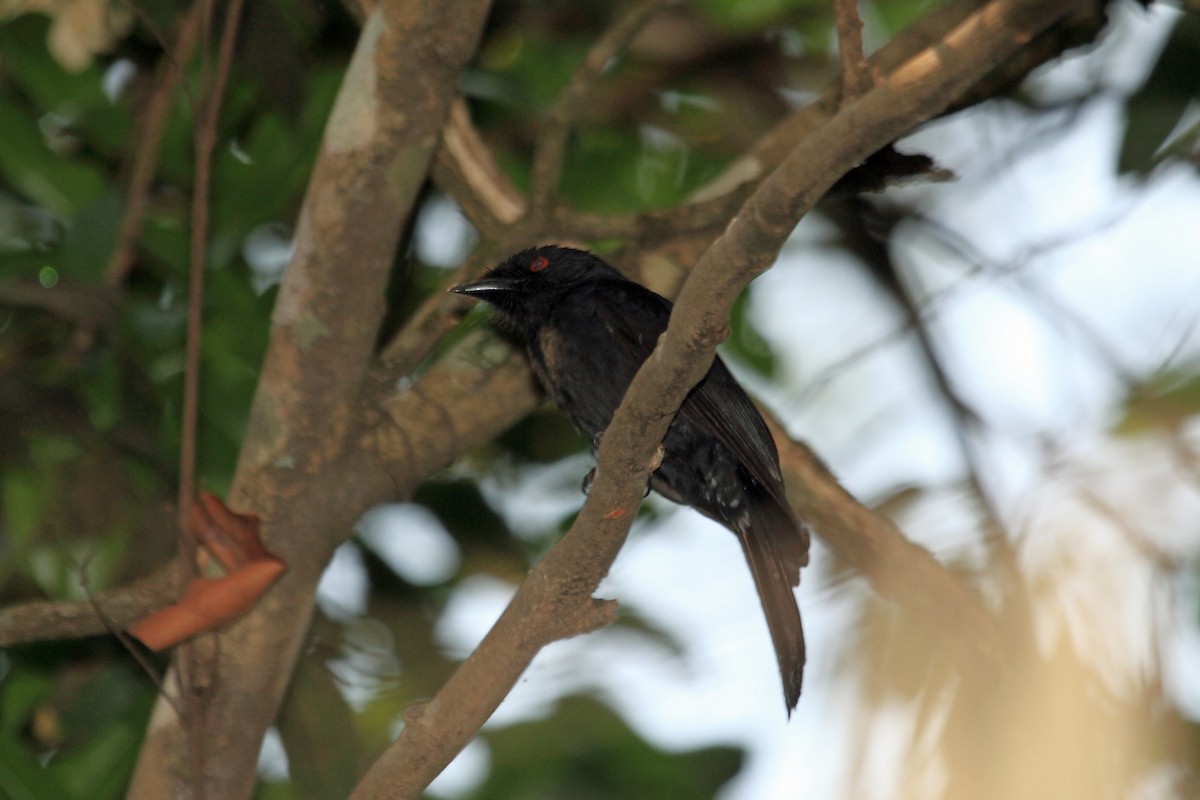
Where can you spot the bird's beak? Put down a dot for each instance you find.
(484, 288)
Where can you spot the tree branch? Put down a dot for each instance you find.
(301, 467)
(875, 548)
(466, 170)
(205, 139)
(856, 75)
(552, 146)
(923, 35)
(564, 580)
(43, 620)
(151, 129)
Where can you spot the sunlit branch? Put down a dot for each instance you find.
(564, 580)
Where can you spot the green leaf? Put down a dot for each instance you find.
(584, 750)
(23, 495)
(746, 15)
(59, 183)
(325, 758)
(91, 237)
(1163, 402)
(1156, 109)
(745, 343)
(77, 99)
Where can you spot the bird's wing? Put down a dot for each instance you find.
(591, 343)
(636, 317)
(721, 405)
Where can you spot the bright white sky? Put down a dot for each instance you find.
(1121, 256)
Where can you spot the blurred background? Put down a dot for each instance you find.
(1006, 363)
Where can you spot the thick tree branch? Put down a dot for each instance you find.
(475, 391)
(89, 307)
(301, 468)
(563, 582)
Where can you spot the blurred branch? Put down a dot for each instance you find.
(466, 170)
(1082, 18)
(555, 599)
(856, 76)
(302, 468)
(876, 548)
(1058, 313)
(148, 143)
(552, 144)
(867, 230)
(649, 227)
(45, 620)
(86, 306)
(205, 140)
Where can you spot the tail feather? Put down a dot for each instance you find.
(769, 545)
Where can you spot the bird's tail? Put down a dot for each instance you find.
(776, 546)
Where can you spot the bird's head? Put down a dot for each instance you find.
(522, 283)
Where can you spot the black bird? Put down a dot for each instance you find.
(588, 329)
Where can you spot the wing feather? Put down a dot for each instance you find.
(717, 404)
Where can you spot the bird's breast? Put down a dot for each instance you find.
(583, 372)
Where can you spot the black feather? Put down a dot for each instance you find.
(588, 330)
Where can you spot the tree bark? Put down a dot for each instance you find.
(299, 468)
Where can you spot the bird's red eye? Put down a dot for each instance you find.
(539, 264)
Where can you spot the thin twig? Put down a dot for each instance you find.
(205, 141)
(856, 75)
(441, 311)
(206, 135)
(152, 128)
(575, 565)
(552, 146)
(125, 639)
